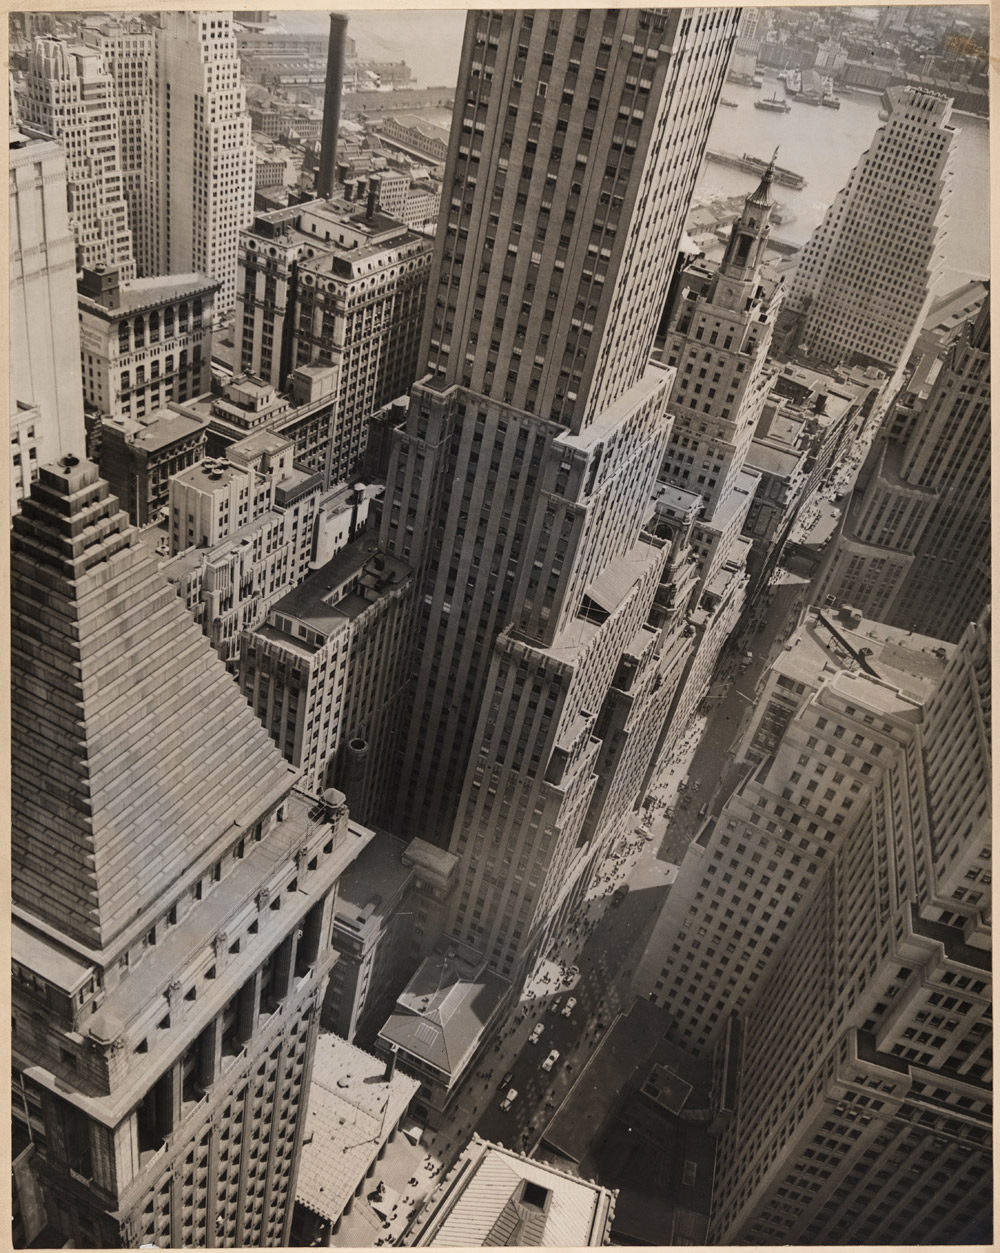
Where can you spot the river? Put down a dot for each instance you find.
(823, 145)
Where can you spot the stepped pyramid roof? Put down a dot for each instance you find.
(134, 753)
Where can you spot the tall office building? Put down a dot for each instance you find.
(841, 698)
(46, 391)
(334, 287)
(864, 1108)
(173, 900)
(718, 345)
(914, 548)
(200, 175)
(127, 48)
(70, 95)
(521, 482)
(866, 277)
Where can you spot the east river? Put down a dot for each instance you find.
(822, 145)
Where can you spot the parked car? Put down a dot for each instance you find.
(551, 1060)
(536, 1035)
(505, 1081)
(555, 1005)
(509, 1099)
(569, 1007)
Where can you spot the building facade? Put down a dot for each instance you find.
(71, 96)
(46, 392)
(865, 1110)
(843, 696)
(334, 285)
(169, 954)
(865, 279)
(242, 530)
(521, 492)
(914, 548)
(325, 673)
(199, 183)
(139, 458)
(144, 343)
(127, 48)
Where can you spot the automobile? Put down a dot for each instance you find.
(505, 1081)
(619, 895)
(569, 1007)
(551, 1060)
(536, 1035)
(509, 1099)
(554, 1006)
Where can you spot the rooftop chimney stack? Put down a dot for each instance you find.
(374, 187)
(326, 177)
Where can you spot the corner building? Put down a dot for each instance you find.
(173, 897)
(520, 490)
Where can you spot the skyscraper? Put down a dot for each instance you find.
(46, 394)
(173, 900)
(866, 277)
(718, 344)
(127, 49)
(71, 96)
(841, 698)
(520, 490)
(864, 1106)
(914, 548)
(200, 175)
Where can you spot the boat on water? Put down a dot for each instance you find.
(831, 102)
(755, 165)
(729, 104)
(758, 80)
(773, 105)
(793, 82)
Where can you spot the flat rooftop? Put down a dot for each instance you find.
(159, 430)
(352, 1109)
(372, 880)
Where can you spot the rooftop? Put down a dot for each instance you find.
(372, 882)
(319, 601)
(160, 429)
(441, 1014)
(147, 293)
(909, 667)
(493, 1196)
(352, 1109)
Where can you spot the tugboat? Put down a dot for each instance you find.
(830, 102)
(773, 105)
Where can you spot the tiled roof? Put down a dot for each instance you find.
(352, 1110)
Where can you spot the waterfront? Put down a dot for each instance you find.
(823, 145)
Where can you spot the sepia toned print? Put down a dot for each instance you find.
(501, 633)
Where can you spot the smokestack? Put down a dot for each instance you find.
(349, 187)
(326, 177)
(374, 187)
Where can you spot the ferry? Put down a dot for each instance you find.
(773, 105)
(793, 82)
(754, 165)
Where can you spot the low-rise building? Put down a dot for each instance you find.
(442, 1022)
(387, 919)
(243, 530)
(493, 1196)
(419, 133)
(144, 343)
(139, 456)
(357, 1105)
